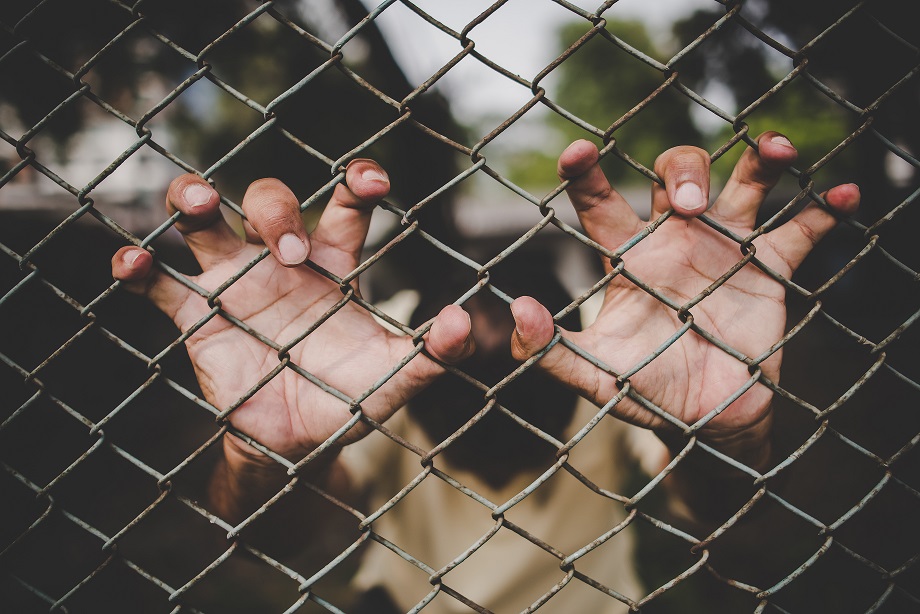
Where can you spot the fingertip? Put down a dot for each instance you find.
(776, 149)
(450, 338)
(131, 263)
(844, 199)
(688, 199)
(367, 180)
(685, 172)
(533, 327)
(292, 250)
(577, 159)
(192, 195)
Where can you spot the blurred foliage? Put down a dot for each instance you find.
(263, 61)
(858, 59)
(599, 84)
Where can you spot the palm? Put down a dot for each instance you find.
(349, 351)
(681, 259)
(291, 374)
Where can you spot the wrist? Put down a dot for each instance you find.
(247, 464)
(751, 447)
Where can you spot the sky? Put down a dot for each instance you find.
(520, 36)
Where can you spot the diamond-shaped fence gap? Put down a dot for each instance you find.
(508, 93)
(98, 478)
(43, 458)
(503, 31)
(24, 513)
(730, 554)
(48, 89)
(333, 99)
(25, 341)
(78, 382)
(877, 67)
(191, 26)
(172, 542)
(835, 580)
(159, 413)
(33, 196)
(835, 467)
(140, 76)
(880, 530)
(815, 132)
(70, 34)
(55, 240)
(121, 588)
(251, 158)
(426, 59)
(229, 583)
(56, 556)
(857, 418)
(412, 577)
(89, 154)
(595, 57)
(883, 291)
(540, 573)
(661, 558)
(241, 60)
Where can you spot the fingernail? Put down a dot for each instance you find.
(374, 175)
(292, 249)
(779, 139)
(197, 195)
(689, 196)
(131, 257)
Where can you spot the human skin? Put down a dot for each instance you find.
(281, 298)
(680, 259)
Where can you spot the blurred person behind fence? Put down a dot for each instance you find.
(350, 351)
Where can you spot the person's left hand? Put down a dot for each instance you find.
(681, 259)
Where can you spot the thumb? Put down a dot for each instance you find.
(450, 338)
(533, 328)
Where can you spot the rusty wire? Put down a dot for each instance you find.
(37, 384)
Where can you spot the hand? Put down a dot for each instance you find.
(281, 298)
(681, 258)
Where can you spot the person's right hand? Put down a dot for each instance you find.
(280, 298)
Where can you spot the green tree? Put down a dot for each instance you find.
(599, 84)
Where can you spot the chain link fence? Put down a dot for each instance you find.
(107, 442)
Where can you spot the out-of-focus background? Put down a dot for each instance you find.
(103, 102)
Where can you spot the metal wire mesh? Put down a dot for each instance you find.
(96, 514)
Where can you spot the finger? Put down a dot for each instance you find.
(449, 340)
(533, 330)
(134, 267)
(204, 228)
(605, 215)
(347, 217)
(274, 213)
(685, 172)
(793, 241)
(755, 174)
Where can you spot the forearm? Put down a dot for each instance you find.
(242, 482)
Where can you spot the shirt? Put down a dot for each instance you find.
(439, 525)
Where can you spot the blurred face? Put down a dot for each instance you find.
(496, 448)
